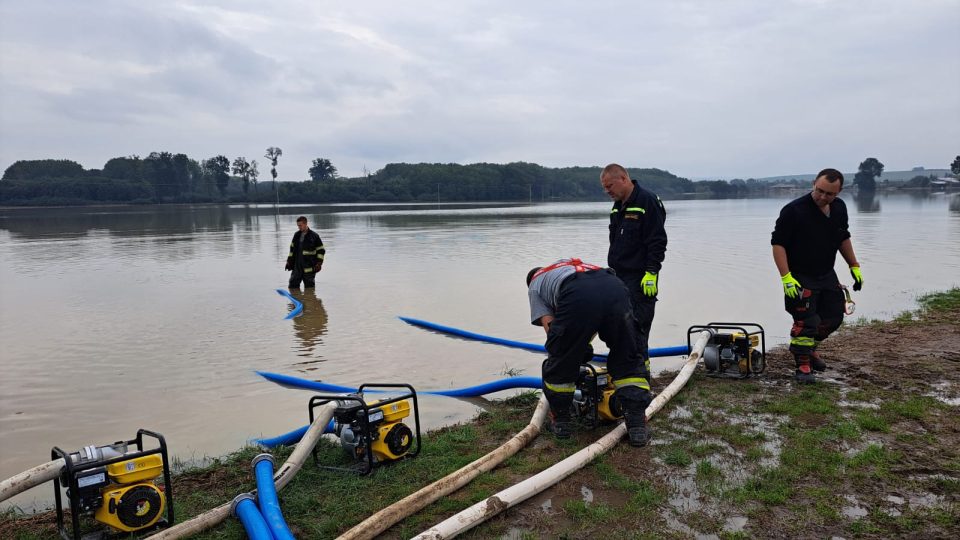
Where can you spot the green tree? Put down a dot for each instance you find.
(241, 168)
(273, 154)
(322, 170)
(127, 168)
(254, 173)
(218, 168)
(870, 169)
(955, 166)
(181, 174)
(37, 169)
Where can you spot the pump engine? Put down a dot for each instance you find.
(117, 484)
(373, 433)
(735, 350)
(595, 397)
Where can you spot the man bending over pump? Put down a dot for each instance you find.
(573, 301)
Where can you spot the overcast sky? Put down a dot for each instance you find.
(700, 88)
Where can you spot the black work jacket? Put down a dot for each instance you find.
(309, 254)
(811, 239)
(638, 241)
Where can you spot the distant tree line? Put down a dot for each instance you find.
(165, 177)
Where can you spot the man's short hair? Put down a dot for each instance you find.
(302, 219)
(613, 168)
(832, 175)
(530, 274)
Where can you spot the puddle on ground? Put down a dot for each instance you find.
(735, 524)
(684, 495)
(944, 393)
(587, 494)
(858, 404)
(895, 499)
(924, 500)
(680, 412)
(854, 510)
(683, 528)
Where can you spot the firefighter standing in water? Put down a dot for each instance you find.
(306, 256)
(574, 301)
(806, 238)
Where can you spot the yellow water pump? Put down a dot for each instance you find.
(373, 432)
(594, 398)
(117, 484)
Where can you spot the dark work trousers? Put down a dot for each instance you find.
(816, 314)
(589, 303)
(299, 275)
(643, 310)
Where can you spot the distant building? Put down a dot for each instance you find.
(945, 183)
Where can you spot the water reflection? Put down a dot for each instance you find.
(955, 203)
(310, 326)
(867, 202)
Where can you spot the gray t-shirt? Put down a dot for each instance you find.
(544, 290)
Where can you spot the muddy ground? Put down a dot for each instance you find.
(870, 451)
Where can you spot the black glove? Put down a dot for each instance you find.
(288, 267)
(316, 267)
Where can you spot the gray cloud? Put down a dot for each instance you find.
(744, 88)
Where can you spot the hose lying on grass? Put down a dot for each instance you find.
(282, 477)
(391, 515)
(522, 491)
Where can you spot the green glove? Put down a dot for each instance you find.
(649, 283)
(791, 287)
(857, 278)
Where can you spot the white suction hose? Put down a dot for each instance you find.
(31, 478)
(391, 515)
(522, 491)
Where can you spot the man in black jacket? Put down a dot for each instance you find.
(638, 242)
(306, 255)
(806, 238)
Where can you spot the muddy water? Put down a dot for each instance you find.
(117, 318)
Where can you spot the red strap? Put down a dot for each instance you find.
(577, 265)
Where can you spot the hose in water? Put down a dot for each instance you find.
(297, 305)
(661, 351)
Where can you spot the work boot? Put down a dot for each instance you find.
(804, 375)
(637, 432)
(561, 428)
(816, 362)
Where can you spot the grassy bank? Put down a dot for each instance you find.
(871, 451)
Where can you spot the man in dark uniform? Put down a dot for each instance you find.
(306, 255)
(638, 243)
(573, 301)
(806, 238)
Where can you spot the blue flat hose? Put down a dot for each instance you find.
(267, 498)
(244, 508)
(297, 305)
(294, 436)
(662, 351)
(470, 391)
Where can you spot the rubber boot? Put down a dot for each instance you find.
(804, 374)
(561, 417)
(635, 402)
(637, 432)
(816, 362)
